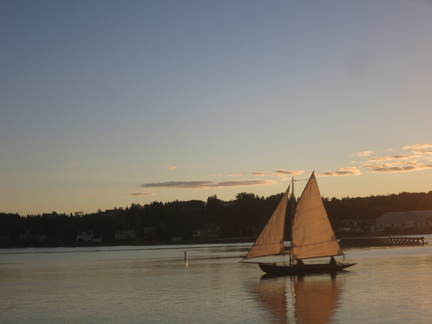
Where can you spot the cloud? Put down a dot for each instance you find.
(389, 158)
(206, 184)
(245, 183)
(397, 167)
(172, 167)
(284, 173)
(419, 159)
(364, 153)
(142, 194)
(342, 172)
(417, 147)
(279, 172)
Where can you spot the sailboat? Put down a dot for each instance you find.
(311, 236)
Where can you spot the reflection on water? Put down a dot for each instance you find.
(309, 299)
(316, 300)
(272, 295)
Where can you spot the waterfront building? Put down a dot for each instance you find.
(412, 219)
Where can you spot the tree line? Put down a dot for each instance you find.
(242, 218)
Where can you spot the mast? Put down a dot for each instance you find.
(292, 211)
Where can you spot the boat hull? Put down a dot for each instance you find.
(296, 270)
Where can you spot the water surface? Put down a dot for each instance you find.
(155, 285)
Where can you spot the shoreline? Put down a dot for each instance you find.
(345, 241)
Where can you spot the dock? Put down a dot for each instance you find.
(383, 241)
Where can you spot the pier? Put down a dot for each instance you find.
(383, 241)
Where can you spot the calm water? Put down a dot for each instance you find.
(154, 285)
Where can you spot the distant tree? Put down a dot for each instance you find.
(214, 208)
(243, 217)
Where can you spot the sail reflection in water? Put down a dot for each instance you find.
(311, 299)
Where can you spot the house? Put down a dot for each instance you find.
(85, 236)
(208, 231)
(356, 226)
(30, 237)
(125, 235)
(412, 219)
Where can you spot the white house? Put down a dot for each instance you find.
(412, 219)
(125, 235)
(84, 236)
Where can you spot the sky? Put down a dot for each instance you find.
(108, 103)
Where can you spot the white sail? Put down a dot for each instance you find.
(312, 234)
(271, 239)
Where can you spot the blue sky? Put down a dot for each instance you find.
(107, 103)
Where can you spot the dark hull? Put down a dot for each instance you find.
(296, 270)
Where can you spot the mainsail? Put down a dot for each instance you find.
(271, 239)
(312, 234)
